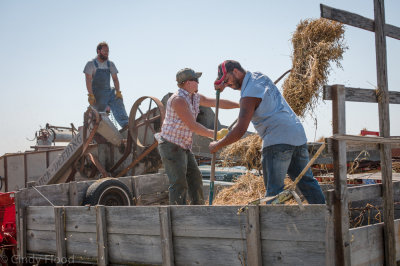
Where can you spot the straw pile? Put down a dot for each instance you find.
(316, 43)
(245, 152)
(246, 188)
(396, 167)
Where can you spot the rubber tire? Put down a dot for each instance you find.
(108, 192)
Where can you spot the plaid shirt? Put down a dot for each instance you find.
(173, 128)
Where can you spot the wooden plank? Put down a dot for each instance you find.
(384, 131)
(130, 220)
(194, 221)
(361, 95)
(73, 194)
(21, 225)
(292, 253)
(82, 244)
(373, 191)
(59, 220)
(353, 148)
(253, 240)
(330, 258)
(367, 139)
(101, 232)
(289, 223)
(356, 20)
(80, 219)
(39, 241)
(209, 251)
(35, 165)
(15, 172)
(367, 246)
(57, 194)
(149, 184)
(40, 218)
(167, 248)
(342, 248)
(141, 249)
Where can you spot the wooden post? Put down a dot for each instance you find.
(101, 232)
(330, 233)
(20, 220)
(73, 194)
(253, 239)
(166, 236)
(384, 129)
(342, 244)
(59, 218)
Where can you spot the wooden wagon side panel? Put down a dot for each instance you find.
(80, 231)
(208, 235)
(40, 230)
(58, 195)
(366, 244)
(35, 165)
(291, 236)
(15, 172)
(133, 235)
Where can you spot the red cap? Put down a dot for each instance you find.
(221, 74)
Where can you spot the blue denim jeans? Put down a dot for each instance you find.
(277, 160)
(106, 98)
(183, 174)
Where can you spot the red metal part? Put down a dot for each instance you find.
(366, 132)
(8, 233)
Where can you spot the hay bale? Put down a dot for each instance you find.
(316, 43)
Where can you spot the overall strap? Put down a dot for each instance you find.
(95, 63)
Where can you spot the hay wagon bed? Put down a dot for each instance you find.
(186, 235)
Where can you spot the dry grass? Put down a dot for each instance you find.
(396, 167)
(245, 152)
(316, 43)
(246, 188)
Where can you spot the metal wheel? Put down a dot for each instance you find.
(144, 125)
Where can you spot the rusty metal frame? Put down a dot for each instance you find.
(97, 164)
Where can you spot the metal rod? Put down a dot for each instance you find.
(42, 195)
(214, 155)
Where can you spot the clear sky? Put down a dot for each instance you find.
(46, 44)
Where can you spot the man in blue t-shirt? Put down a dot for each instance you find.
(284, 140)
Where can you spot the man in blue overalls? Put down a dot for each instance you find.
(97, 73)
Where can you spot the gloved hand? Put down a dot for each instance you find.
(118, 95)
(222, 133)
(91, 99)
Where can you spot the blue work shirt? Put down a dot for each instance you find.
(274, 120)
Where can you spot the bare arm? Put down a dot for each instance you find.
(88, 78)
(182, 109)
(247, 107)
(212, 102)
(116, 81)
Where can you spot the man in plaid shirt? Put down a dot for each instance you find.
(176, 138)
